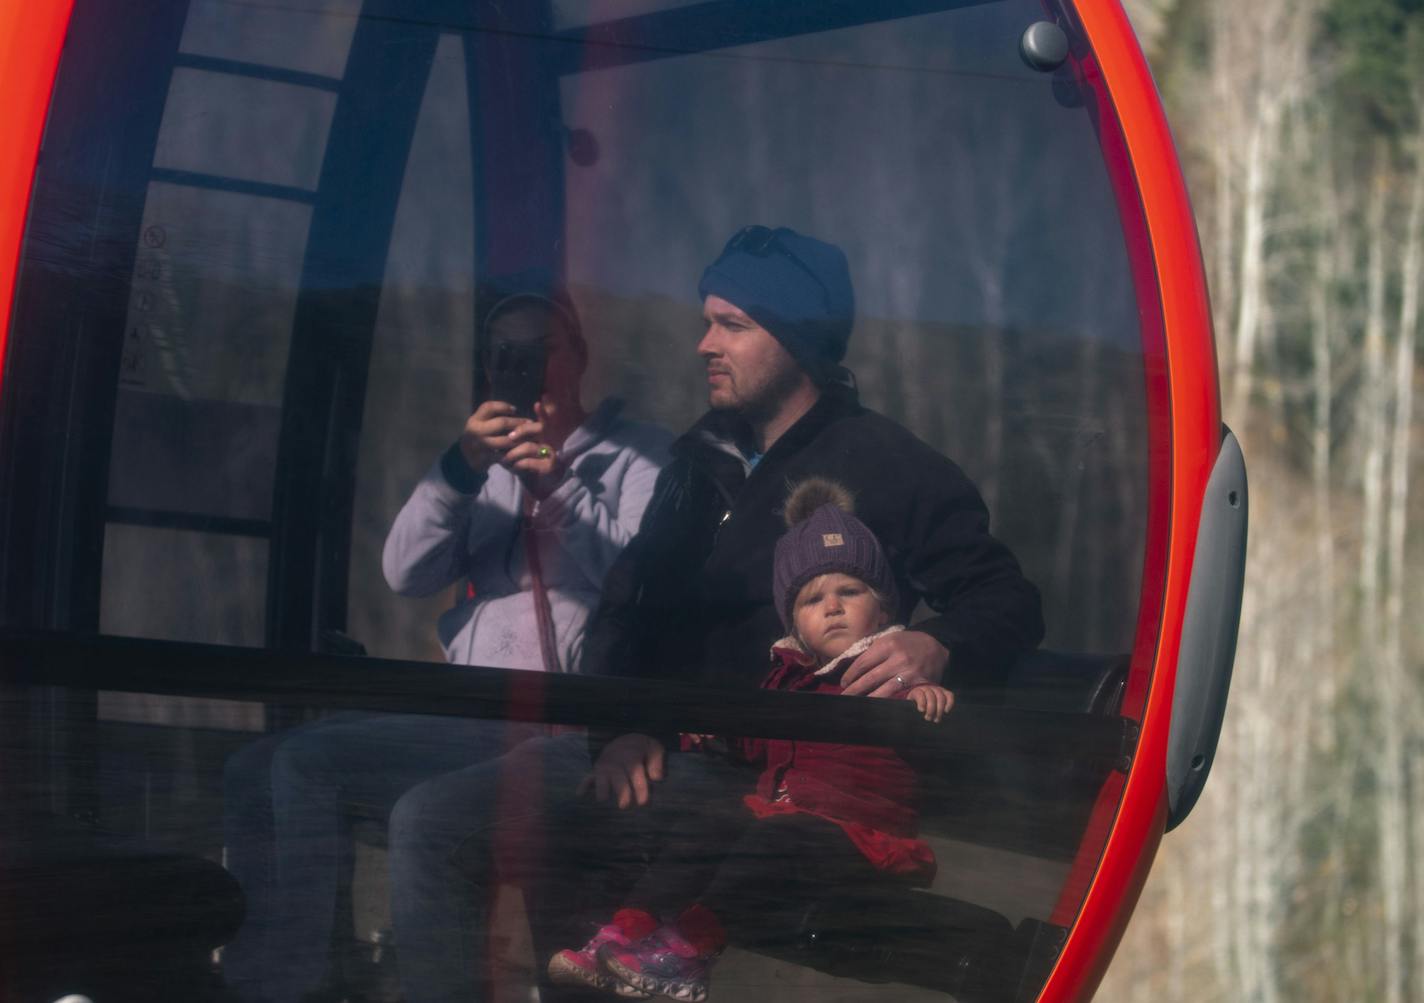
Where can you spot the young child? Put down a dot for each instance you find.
(825, 818)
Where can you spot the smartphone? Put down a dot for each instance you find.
(516, 374)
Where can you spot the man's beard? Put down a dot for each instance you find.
(768, 399)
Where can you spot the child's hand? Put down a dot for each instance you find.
(932, 701)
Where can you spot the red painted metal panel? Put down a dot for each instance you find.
(31, 37)
(1195, 432)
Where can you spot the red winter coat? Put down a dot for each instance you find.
(869, 792)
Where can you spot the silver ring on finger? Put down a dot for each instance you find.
(900, 680)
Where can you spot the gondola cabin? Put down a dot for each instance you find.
(247, 252)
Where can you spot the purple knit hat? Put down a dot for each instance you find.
(824, 537)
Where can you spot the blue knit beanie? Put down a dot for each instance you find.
(824, 537)
(797, 287)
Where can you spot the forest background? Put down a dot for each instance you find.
(1300, 874)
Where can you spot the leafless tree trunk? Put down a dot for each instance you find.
(1252, 265)
(1266, 46)
(1323, 321)
(1370, 416)
(1224, 68)
(989, 251)
(1382, 684)
(1177, 937)
(1416, 845)
(1394, 705)
(1403, 420)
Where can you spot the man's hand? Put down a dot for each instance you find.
(489, 433)
(896, 662)
(932, 701)
(625, 769)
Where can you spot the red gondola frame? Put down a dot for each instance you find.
(1182, 397)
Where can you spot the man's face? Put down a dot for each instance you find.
(748, 370)
(834, 611)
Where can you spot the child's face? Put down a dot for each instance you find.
(834, 611)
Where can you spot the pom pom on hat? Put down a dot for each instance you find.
(810, 494)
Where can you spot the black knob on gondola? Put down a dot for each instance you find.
(1043, 46)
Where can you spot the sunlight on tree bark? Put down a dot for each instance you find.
(1300, 875)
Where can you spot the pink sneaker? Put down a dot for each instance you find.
(583, 967)
(667, 962)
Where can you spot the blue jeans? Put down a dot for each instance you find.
(290, 801)
(453, 839)
(449, 850)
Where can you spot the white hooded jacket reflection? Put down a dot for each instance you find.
(444, 536)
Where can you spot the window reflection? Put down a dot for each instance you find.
(307, 36)
(303, 251)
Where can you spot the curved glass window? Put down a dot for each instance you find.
(264, 611)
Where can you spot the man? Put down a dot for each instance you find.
(691, 597)
(692, 594)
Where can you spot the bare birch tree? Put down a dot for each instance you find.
(1308, 838)
(1395, 705)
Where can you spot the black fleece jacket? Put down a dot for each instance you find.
(690, 598)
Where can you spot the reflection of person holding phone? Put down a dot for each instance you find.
(532, 503)
(526, 512)
(534, 360)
